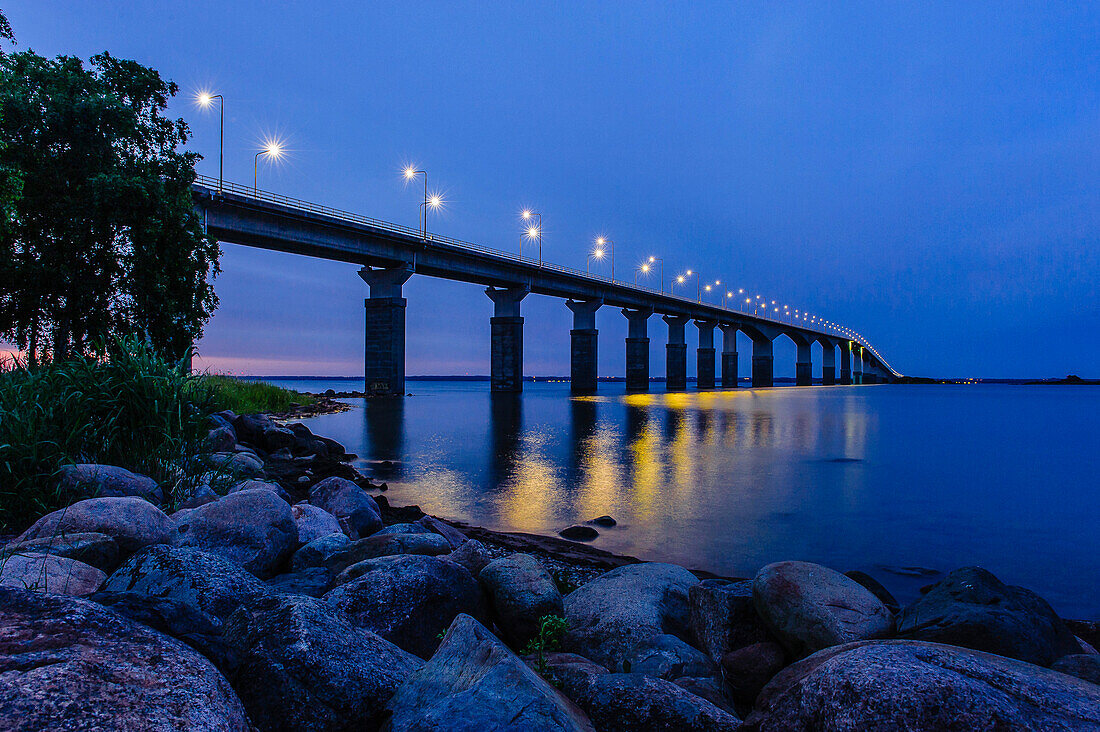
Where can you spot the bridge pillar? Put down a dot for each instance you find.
(637, 349)
(704, 355)
(857, 364)
(506, 336)
(384, 334)
(828, 363)
(846, 363)
(729, 356)
(583, 346)
(762, 371)
(676, 353)
(870, 374)
(804, 368)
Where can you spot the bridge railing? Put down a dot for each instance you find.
(309, 207)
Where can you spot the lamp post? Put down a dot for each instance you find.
(680, 279)
(410, 173)
(600, 244)
(653, 260)
(273, 149)
(532, 232)
(205, 99)
(643, 268)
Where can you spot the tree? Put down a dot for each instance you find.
(103, 240)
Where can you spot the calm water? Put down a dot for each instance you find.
(879, 478)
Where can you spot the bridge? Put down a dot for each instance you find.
(389, 254)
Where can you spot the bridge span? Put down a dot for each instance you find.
(389, 254)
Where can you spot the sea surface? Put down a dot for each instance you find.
(904, 482)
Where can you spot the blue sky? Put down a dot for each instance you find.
(926, 173)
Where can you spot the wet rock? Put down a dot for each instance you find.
(206, 581)
(253, 528)
(316, 552)
(667, 657)
(914, 685)
(875, 588)
(723, 616)
(342, 562)
(472, 555)
(105, 481)
(132, 522)
(453, 536)
(1084, 666)
(304, 667)
(50, 574)
(809, 607)
(312, 582)
(605, 521)
(474, 683)
(313, 522)
(97, 550)
(409, 599)
(520, 592)
(579, 533)
(69, 664)
(345, 500)
(611, 614)
(748, 670)
(972, 608)
(628, 702)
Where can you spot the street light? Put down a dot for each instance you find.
(532, 231)
(644, 268)
(411, 172)
(680, 279)
(600, 244)
(204, 100)
(273, 149)
(653, 260)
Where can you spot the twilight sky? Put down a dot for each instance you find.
(928, 174)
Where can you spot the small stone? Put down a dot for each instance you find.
(579, 533)
(605, 521)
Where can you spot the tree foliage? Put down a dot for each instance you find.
(101, 239)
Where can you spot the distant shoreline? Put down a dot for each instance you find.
(1070, 380)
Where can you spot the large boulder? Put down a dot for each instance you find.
(723, 616)
(207, 581)
(453, 536)
(809, 607)
(97, 550)
(313, 522)
(302, 666)
(409, 599)
(316, 552)
(345, 500)
(50, 574)
(313, 581)
(132, 522)
(611, 614)
(253, 528)
(104, 481)
(220, 439)
(473, 555)
(1084, 666)
(69, 664)
(236, 464)
(342, 562)
(667, 657)
(972, 608)
(913, 685)
(520, 592)
(748, 670)
(267, 485)
(473, 683)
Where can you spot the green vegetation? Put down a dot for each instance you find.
(250, 397)
(551, 631)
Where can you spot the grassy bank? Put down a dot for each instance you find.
(249, 397)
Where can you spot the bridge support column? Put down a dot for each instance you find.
(729, 356)
(762, 371)
(676, 353)
(384, 334)
(828, 363)
(637, 349)
(506, 336)
(857, 364)
(583, 346)
(846, 363)
(804, 368)
(704, 355)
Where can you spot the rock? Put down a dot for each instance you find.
(103, 481)
(972, 608)
(913, 685)
(809, 607)
(875, 588)
(579, 533)
(316, 552)
(207, 581)
(69, 664)
(50, 574)
(313, 522)
(605, 521)
(667, 657)
(345, 500)
(97, 550)
(611, 614)
(520, 592)
(221, 439)
(401, 529)
(203, 495)
(710, 688)
(276, 437)
(1085, 630)
(563, 666)
(252, 528)
(474, 683)
(723, 616)
(453, 536)
(1082, 665)
(250, 427)
(341, 563)
(313, 582)
(408, 600)
(1085, 647)
(748, 670)
(132, 522)
(237, 464)
(302, 666)
(472, 555)
(253, 484)
(629, 702)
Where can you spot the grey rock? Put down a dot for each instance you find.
(302, 666)
(203, 495)
(50, 574)
(316, 552)
(579, 533)
(605, 521)
(104, 481)
(345, 500)
(473, 683)
(401, 529)
(342, 562)
(809, 607)
(1084, 666)
(710, 688)
(313, 522)
(313, 582)
(876, 588)
(408, 599)
(97, 550)
(667, 657)
(277, 437)
(612, 613)
(636, 702)
(253, 484)
(132, 522)
(206, 581)
(520, 592)
(748, 670)
(238, 464)
(723, 616)
(250, 427)
(912, 685)
(453, 536)
(972, 608)
(472, 555)
(221, 439)
(69, 664)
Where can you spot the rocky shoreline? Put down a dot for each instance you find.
(294, 596)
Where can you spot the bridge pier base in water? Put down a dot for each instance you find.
(583, 346)
(729, 356)
(846, 363)
(828, 363)
(804, 368)
(506, 337)
(384, 332)
(637, 349)
(762, 371)
(704, 355)
(676, 353)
